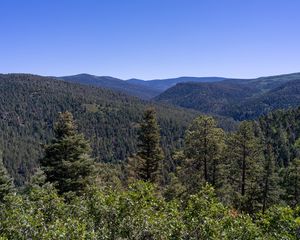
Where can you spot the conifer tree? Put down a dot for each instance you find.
(146, 163)
(291, 178)
(204, 144)
(67, 162)
(271, 190)
(245, 159)
(292, 182)
(6, 183)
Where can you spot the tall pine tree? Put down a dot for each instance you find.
(245, 162)
(67, 162)
(204, 144)
(271, 190)
(145, 165)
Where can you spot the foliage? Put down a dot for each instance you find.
(242, 184)
(138, 212)
(280, 222)
(6, 184)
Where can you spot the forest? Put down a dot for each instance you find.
(149, 120)
(241, 184)
(29, 105)
(240, 99)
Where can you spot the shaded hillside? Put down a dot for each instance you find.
(237, 98)
(271, 82)
(206, 97)
(163, 84)
(29, 104)
(287, 95)
(144, 92)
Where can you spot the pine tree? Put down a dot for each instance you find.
(271, 190)
(245, 162)
(204, 144)
(67, 162)
(291, 178)
(146, 163)
(292, 182)
(6, 183)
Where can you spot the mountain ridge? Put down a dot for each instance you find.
(237, 98)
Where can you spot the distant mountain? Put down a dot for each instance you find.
(264, 84)
(135, 87)
(285, 96)
(237, 98)
(163, 84)
(141, 91)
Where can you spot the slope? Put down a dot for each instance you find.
(163, 84)
(144, 92)
(237, 98)
(29, 104)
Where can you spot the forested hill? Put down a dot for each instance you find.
(135, 87)
(242, 184)
(152, 88)
(163, 84)
(29, 104)
(144, 92)
(237, 98)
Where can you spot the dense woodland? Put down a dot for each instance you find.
(85, 163)
(29, 105)
(240, 99)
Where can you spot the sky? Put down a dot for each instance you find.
(150, 39)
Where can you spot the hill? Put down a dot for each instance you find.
(29, 104)
(134, 87)
(237, 98)
(141, 91)
(163, 84)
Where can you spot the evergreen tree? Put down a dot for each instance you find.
(204, 144)
(292, 182)
(67, 162)
(291, 177)
(245, 159)
(271, 190)
(6, 183)
(146, 163)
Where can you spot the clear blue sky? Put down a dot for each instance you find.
(150, 38)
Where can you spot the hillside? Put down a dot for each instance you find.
(237, 98)
(29, 104)
(141, 91)
(134, 87)
(163, 84)
(286, 95)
